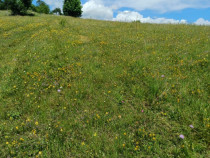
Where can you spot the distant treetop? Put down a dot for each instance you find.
(42, 7)
(72, 8)
(57, 11)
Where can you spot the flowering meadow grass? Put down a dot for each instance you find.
(85, 88)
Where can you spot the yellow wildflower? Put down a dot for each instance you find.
(136, 148)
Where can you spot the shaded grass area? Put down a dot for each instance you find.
(84, 88)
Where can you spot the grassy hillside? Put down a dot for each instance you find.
(85, 88)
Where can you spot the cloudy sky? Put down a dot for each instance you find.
(149, 11)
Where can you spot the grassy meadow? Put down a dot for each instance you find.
(86, 88)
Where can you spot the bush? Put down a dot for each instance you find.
(72, 8)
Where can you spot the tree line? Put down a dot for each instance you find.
(20, 7)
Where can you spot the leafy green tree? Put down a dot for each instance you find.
(33, 8)
(27, 3)
(1, 5)
(42, 7)
(5, 4)
(72, 8)
(57, 11)
(19, 7)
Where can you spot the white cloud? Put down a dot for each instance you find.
(55, 3)
(158, 5)
(139, 5)
(103, 9)
(163, 21)
(130, 16)
(202, 21)
(96, 10)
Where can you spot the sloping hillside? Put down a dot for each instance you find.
(85, 88)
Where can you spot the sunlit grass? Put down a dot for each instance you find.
(84, 88)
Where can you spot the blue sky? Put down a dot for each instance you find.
(152, 11)
(189, 14)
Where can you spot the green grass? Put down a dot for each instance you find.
(85, 88)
